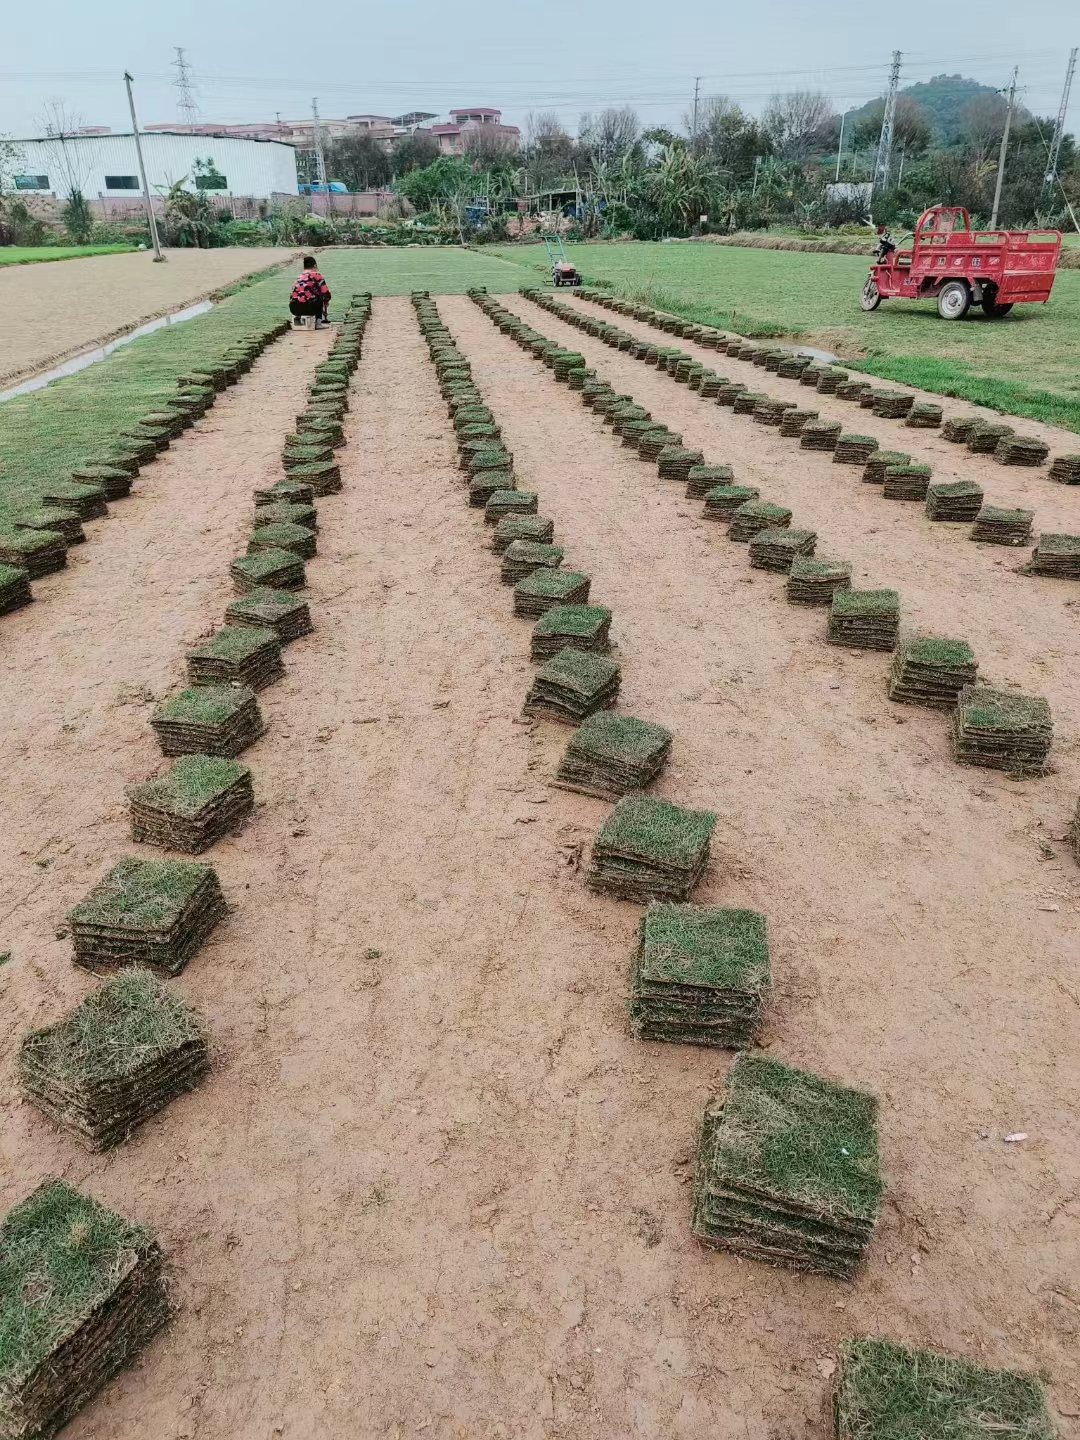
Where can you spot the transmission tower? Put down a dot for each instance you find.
(1059, 126)
(186, 109)
(888, 120)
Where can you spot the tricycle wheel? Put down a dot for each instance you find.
(953, 300)
(869, 296)
(992, 310)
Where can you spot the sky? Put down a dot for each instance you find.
(253, 61)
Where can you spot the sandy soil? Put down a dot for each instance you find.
(57, 310)
(432, 1188)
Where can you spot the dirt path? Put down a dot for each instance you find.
(433, 1189)
(57, 310)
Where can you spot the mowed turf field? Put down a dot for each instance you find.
(1027, 363)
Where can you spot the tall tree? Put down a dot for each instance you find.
(609, 135)
(728, 136)
(797, 122)
(414, 152)
(358, 161)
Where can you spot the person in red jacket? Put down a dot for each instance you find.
(310, 295)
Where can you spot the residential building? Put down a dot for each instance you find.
(475, 124)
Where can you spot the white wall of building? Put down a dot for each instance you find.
(257, 168)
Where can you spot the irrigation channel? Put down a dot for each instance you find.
(432, 1186)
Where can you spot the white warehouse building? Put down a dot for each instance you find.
(106, 167)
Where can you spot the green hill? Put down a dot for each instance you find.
(942, 101)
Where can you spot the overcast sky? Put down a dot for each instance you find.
(252, 61)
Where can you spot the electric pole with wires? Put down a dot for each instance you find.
(693, 122)
(1050, 178)
(888, 122)
(1004, 148)
(186, 109)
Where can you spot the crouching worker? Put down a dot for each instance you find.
(310, 295)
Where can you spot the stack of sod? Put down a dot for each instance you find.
(297, 452)
(14, 588)
(244, 654)
(853, 449)
(286, 512)
(787, 1169)
(572, 686)
(1056, 555)
(521, 527)
(208, 720)
(1021, 450)
(522, 557)
(924, 416)
(793, 422)
(722, 501)
(885, 1391)
(649, 849)
(891, 405)
(931, 672)
(774, 359)
(116, 1059)
(727, 394)
(88, 501)
(820, 434)
(709, 385)
(147, 912)
(581, 627)
(1002, 730)
(954, 500)
(810, 376)
(675, 462)
(814, 582)
(864, 619)
(38, 552)
(1074, 833)
(996, 526)
(747, 400)
(544, 588)
(959, 430)
(879, 462)
(776, 549)
(323, 476)
(267, 609)
(1065, 469)
(792, 366)
(699, 975)
(652, 442)
(829, 378)
(114, 480)
(297, 539)
(700, 479)
(83, 1293)
(852, 389)
(609, 755)
(771, 412)
(906, 482)
(985, 437)
(269, 569)
(510, 502)
(52, 517)
(199, 799)
(757, 515)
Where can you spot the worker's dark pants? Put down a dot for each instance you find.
(318, 308)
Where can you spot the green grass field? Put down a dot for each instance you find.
(1027, 363)
(34, 254)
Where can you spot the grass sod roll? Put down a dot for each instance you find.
(501, 503)
(572, 685)
(298, 539)
(722, 501)
(879, 461)
(886, 1391)
(208, 720)
(38, 552)
(956, 500)
(864, 619)
(931, 671)
(147, 912)
(580, 627)
(14, 588)
(522, 557)
(88, 501)
(609, 755)
(771, 411)
(521, 527)
(323, 476)
(239, 654)
(776, 549)
(906, 482)
(199, 800)
(169, 421)
(83, 1294)
(114, 480)
(787, 1169)
(1002, 730)
(814, 582)
(756, 515)
(995, 525)
(650, 849)
(52, 518)
(537, 593)
(853, 449)
(283, 492)
(1056, 555)
(1065, 470)
(264, 608)
(121, 1056)
(699, 975)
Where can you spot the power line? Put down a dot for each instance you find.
(186, 109)
(1002, 151)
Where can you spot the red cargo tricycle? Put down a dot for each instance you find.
(961, 267)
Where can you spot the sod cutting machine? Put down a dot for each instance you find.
(961, 267)
(563, 272)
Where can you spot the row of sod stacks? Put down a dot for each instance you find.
(116, 1059)
(699, 975)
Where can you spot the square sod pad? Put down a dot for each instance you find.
(521, 527)
(119, 1057)
(787, 1169)
(198, 800)
(886, 1391)
(285, 512)
(864, 619)
(931, 671)
(996, 525)
(1002, 730)
(814, 582)
(269, 569)
(208, 720)
(81, 1294)
(610, 754)
(699, 975)
(582, 627)
(298, 539)
(147, 912)
(571, 685)
(777, 549)
(266, 609)
(1055, 555)
(244, 653)
(649, 849)
(14, 588)
(38, 552)
(522, 557)
(545, 587)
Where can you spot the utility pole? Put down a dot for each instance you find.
(186, 108)
(158, 257)
(693, 123)
(757, 167)
(840, 147)
(320, 167)
(1004, 147)
(888, 121)
(1059, 125)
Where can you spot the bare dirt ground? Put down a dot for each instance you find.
(432, 1188)
(56, 311)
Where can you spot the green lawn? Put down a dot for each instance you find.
(393, 270)
(1025, 364)
(32, 254)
